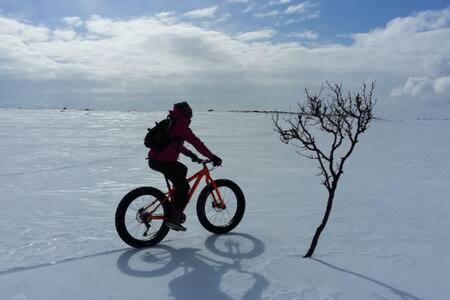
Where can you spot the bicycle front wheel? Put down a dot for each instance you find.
(140, 217)
(217, 218)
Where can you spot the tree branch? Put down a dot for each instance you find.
(344, 116)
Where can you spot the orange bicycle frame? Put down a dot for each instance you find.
(217, 197)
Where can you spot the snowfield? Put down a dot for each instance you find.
(62, 175)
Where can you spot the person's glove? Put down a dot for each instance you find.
(194, 157)
(217, 161)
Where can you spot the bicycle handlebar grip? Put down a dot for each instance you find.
(200, 161)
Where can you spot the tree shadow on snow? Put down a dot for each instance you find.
(402, 294)
(201, 275)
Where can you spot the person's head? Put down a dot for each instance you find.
(184, 108)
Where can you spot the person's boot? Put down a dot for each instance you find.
(174, 220)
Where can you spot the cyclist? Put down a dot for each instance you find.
(166, 160)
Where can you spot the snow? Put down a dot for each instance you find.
(63, 173)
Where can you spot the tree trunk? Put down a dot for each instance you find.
(322, 226)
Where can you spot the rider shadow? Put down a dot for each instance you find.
(201, 276)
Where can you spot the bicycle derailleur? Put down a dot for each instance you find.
(142, 217)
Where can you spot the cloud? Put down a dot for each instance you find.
(256, 35)
(415, 87)
(432, 90)
(237, 1)
(202, 13)
(223, 18)
(140, 60)
(299, 8)
(307, 9)
(442, 86)
(267, 14)
(276, 12)
(279, 2)
(307, 35)
(65, 35)
(169, 16)
(248, 9)
(165, 14)
(73, 21)
(23, 32)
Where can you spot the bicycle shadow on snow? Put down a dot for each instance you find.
(201, 276)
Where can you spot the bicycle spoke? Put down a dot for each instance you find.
(228, 214)
(130, 222)
(136, 228)
(223, 218)
(222, 211)
(215, 216)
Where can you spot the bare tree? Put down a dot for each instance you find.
(342, 116)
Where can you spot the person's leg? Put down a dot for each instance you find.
(177, 175)
(176, 172)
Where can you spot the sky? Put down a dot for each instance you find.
(229, 54)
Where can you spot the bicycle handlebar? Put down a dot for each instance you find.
(204, 162)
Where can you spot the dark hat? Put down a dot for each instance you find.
(184, 108)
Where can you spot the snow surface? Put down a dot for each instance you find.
(63, 173)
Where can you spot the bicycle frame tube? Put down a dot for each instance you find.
(197, 177)
(208, 179)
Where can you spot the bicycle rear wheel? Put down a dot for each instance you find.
(140, 217)
(212, 215)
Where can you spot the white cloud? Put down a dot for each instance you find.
(248, 9)
(307, 35)
(256, 35)
(267, 14)
(415, 87)
(223, 18)
(73, 21)
(165, 14)
(24, 32)
(65, 35)
(237, 1)
(292, 21)
(299, 8)
(96, 25)
(395, 30)
(433, 90)
(202, 13)
(307, 9)
(442, 86)
(279, 2)
(149, 56)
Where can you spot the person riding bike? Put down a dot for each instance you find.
(166, 160)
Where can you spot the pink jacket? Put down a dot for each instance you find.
(179, 133)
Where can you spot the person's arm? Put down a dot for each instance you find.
(189, 153)
(192, 139)
(186, 151)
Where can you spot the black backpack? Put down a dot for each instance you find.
(158, 137)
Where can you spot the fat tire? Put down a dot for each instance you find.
(201, 205)
(120, 217)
